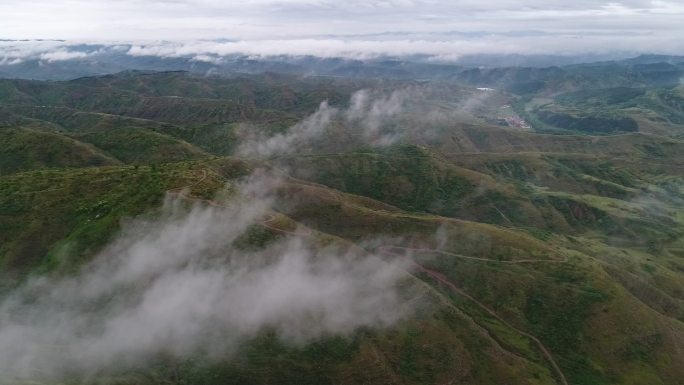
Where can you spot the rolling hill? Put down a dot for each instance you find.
(549, 255)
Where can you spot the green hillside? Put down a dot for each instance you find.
(24, 148)
(535, 258)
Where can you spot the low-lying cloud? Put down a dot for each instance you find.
(178, 286)
(49, 51)
(367, 115)
(62, 54)
(443, 48)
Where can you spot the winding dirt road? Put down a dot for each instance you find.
(437, 251)
(442, 279)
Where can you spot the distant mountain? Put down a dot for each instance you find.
(517, 73)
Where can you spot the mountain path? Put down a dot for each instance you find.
(441, 278)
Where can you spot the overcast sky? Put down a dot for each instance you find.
(397, 26)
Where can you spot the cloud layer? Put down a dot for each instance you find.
(363, 27)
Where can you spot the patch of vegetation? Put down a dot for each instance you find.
(25, 149)
(588, 124)
(61, 218)
(406, 177)
(140, 146)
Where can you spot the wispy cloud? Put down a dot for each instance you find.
(15, 52)
(62, 54)
(368, 112)
(177, 285)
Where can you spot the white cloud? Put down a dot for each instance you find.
(60, 55)
(367, 114)
(657, 21)
(439, 46)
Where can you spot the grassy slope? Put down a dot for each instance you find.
(25, 149)
(657, 110)
(42, 222)
(568, 303)
(63, 233)
(140, 146)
